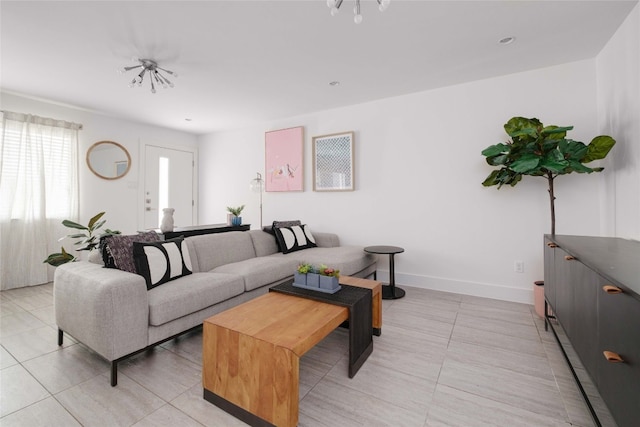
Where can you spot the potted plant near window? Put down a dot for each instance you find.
(236, 220)
(89, 239)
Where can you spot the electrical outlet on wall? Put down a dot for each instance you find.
(518, 266)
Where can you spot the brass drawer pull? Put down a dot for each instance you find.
(610, 289)
(612, 357)
(569, 258)
(552, 245)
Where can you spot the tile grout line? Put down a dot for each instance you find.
(459, 304)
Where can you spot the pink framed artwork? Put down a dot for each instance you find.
(283, 151)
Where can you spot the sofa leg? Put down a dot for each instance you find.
(114, 363)
(114, 373)
(60, 334)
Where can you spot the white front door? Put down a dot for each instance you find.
(168, 183)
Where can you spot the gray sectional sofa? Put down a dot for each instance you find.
(112, 312)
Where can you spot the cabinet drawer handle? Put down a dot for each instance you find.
(569, 258)
(610, 289)
(552, 245)
(612, 357)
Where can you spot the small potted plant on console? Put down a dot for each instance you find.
(236, 219)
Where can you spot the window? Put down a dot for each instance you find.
(38, 189)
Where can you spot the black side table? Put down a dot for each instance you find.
(389, 291)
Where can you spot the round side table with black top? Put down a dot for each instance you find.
(389, 291)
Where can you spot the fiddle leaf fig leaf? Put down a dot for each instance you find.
(491, 179)
(553, 165)
(497, 160)
(524, 132)
(556, 132)
(598, 148)
(526, 163)
(494, 150)
(578, 167)
(571, 149)
(501, 177)
(516, 179)
(517, 125)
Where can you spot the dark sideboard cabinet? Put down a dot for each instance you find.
(592, 289)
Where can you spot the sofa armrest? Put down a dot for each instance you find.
(105, 309)
(326, 240)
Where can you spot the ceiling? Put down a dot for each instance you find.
(245, 62)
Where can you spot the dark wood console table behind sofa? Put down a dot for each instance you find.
(592, 285)
(196, 230)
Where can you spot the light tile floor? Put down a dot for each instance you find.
(442, 360)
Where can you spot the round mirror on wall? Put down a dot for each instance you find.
(108, 160)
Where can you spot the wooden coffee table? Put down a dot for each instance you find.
(251, 353)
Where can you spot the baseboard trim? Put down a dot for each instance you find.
(485, 290)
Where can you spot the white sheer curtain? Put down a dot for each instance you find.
(38, 189)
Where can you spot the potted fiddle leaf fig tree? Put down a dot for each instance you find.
(542, 151)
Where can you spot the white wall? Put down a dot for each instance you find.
(618, 67)
(418, 178)
(119, 198)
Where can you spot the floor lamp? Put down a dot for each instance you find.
(257, 185)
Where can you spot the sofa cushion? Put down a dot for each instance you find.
(160, 262)
(348, 259)
(261, 271)
(117, 250)
(294, 238)
(264, 243)
(189, 294)
(213, 250)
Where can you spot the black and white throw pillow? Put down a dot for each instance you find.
(160, 262)
(271, 229)
(294, 238)
(289, 223)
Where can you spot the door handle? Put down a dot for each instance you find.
(552, 245)
(610, 289)
(148, 208)
(569, 258)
